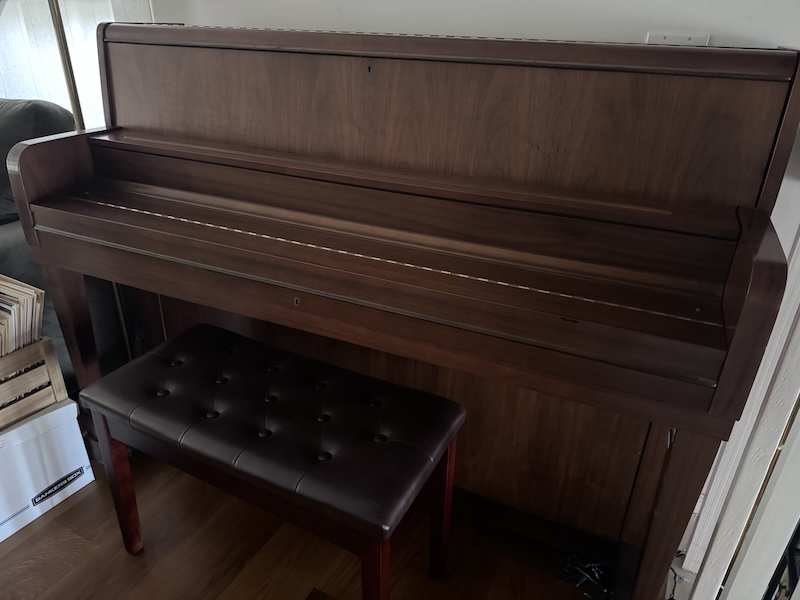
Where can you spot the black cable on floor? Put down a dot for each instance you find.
(674, 583)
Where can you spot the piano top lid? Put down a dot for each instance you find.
(747, 63)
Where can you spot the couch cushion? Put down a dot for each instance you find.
(23, 120)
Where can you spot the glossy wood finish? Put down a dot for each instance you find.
(203, 544)
(759, 267)
(690, 459)
(630, 392)
(572, 219)
(375, 572)
(148, 169)
(65, 159)
(120, 480)
(446, 118)
(115, 436)
(442, 502)
(509, 293)
(646, 487)
(68, 290)
(175, 175)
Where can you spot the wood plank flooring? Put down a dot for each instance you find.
(203, 544)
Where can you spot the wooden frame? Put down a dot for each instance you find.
(32, 374)
(115, 437)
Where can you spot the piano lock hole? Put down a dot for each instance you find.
(297, 301)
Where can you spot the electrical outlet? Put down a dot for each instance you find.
(677, 39)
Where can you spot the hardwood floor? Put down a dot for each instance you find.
(202, 543)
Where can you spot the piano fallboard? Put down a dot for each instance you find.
(513, 294)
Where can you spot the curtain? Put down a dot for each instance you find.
(30, 66)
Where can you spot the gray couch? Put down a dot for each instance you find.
(27, 119)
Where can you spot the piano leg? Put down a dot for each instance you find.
(375, 577)
(441, 502)
(688, 463)
(120, 479)
(68, 291)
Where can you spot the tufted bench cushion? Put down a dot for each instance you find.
(341, 444)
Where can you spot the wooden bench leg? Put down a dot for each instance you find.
(118, 471)
(375, 574)
(441, 502)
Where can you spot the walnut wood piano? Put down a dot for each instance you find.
(571, 239)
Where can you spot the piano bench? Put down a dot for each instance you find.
(339, 454)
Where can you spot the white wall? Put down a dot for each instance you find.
(765, 23)
(773, 522)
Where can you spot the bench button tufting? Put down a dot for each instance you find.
(264, 433)
(227, 352)
(324, 456)
(212, 414)
(380, 438)
(272, 369)
(176, 363)
(222, 380)
(162, 393)
(375, 403)
(323, 418)
(270, 398)
(321, 385)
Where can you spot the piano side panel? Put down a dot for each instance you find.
(38, 169)
(654, 137)
(560, 460)
(751, 302)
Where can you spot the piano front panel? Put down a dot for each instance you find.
(568, 462)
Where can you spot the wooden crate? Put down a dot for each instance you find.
(21, 374)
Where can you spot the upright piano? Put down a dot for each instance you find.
(571, 239)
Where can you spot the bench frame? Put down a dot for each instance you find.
(115, 436)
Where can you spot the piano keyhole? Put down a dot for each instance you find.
(297, 301)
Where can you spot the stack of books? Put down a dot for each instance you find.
(21, 309)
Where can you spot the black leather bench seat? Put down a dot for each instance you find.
(342, 444)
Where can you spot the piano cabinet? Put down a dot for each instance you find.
(573, 240)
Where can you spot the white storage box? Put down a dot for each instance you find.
(42, 462)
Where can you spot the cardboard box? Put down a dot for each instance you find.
(42, 462)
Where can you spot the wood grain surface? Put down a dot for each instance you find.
(675, 139)
(562, 461)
